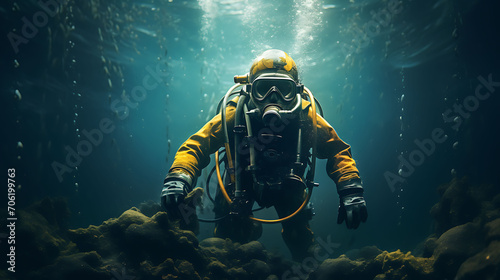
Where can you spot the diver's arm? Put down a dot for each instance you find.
(194, 153)
(190, 159)
(340, 166)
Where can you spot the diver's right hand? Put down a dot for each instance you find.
(176, 186)
(172, 196)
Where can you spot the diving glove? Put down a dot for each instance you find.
(175, 188)
(352, 206)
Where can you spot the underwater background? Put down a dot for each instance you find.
(97, 96)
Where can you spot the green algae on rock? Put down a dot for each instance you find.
(464, 246)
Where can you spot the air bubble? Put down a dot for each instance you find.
(18, 94)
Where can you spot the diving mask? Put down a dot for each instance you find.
(275, 95)
(285, 87)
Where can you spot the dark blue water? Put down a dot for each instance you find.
(141, 77)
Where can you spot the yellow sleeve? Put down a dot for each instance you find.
(340, 165)
(194, 154)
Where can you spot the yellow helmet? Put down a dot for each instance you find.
(274, 61)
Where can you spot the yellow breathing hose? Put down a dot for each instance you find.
(219, 178)
(306, 200)
(308, 196)
(228, 199)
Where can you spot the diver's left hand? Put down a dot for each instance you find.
(353, 210)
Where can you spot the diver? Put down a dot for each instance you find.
(270, 135)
